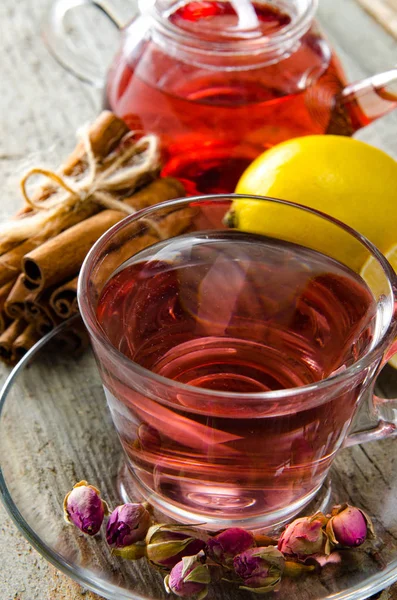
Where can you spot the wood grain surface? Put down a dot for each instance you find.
(42, 106)
(384, 11)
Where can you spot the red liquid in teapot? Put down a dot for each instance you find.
(213, 122)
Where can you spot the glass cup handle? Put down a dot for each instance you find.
(69, 55)
(382, 412)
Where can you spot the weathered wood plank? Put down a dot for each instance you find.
(384, 11)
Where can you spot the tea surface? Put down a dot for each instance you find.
(237, 312)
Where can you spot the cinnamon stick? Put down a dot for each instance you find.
(75, 306)
(11, 261)
(14, 305)
(170, 226)
(64, 300)
(105, 134)
(8, 337)
(39, 312)
(45, 322)
(4, 291)
(24, 342)
(73, 340)
(61, 257)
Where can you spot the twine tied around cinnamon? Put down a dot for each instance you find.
(119, 172)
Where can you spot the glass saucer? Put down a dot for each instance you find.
(55, 430)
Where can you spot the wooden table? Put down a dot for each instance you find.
(41, 107)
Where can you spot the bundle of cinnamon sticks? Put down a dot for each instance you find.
(110, 173)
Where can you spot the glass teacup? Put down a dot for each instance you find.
(235, 363)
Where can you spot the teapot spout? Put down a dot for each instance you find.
(364, 102)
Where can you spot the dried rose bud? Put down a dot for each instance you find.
(222, 548)
(189, 577)
(127, 524)
(349, 526)
(84, 508)
(304, 537)
(133, 552)
(167, 544)
(260, 569)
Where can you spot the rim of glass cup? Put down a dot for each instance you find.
(238, 44)
(89, 317)
(375, 583)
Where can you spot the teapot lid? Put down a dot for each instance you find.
(231, 21)
(212, 33)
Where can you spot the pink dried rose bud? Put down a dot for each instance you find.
(304, 537)
(260, 569)
(167, 544)
(222, 548)
(349, 526)
(127, 524)
(188, 578)
(84, 508)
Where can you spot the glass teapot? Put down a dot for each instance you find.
(221, 81)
